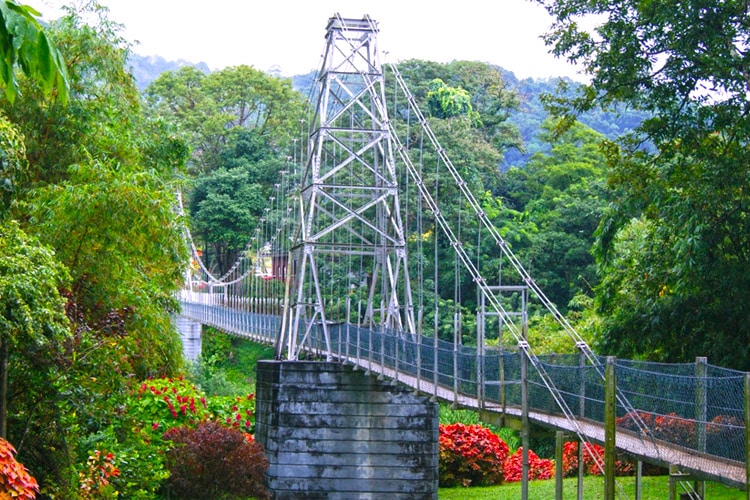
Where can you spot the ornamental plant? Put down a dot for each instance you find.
(237, 412)
(97, 476)
(539, 468)
(570, 460)
(214, 461)
(15, 480)
(470, 455)
(161, 404)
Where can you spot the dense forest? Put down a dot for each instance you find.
(626, 198)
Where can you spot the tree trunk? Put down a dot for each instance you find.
(3, 386)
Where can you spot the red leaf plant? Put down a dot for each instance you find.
(470, 455)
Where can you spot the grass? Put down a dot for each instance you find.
(653, 488)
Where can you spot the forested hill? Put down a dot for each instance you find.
(528, 118)
(147, 68)
(531, 114)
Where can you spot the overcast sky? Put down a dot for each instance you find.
(289, 34)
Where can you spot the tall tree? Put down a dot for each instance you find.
(213, 108)
(680, 178)
(25, 44)
(98, 188)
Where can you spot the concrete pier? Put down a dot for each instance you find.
(190, 334)
(331, 432)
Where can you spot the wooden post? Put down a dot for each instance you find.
(638, 479)
(581, 413)
(701, 403)
(672, 482)
(524, 420)
(747, 435)
(559, 444)
(610, 394)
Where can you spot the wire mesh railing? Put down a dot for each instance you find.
(692, 407)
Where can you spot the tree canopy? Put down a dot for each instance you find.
(679, 179)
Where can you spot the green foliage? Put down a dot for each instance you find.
(449, 415)
(198, 463)
(102, 119)
(685, 189)
(227, 364)
(24, 44)
(13, 162)
(212, 109)
(470, 455)
(117, 232)
(446, 102)
(32, 312)
(563, 194)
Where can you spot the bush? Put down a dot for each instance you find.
(470, 455)
(570, 460)
(213, 461)
(539, 468)
(15, 480)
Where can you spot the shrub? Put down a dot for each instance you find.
(539, 468)
(570, 460)
(96, 477)
(675, 429)
(213, 461)
(725, 436)
(15, 480)
(470, 455)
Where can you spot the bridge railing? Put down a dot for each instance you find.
(696, 406)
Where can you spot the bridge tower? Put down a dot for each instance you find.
(349, 202)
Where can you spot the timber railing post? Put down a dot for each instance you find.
(701, 412)
(581, 413)
(747, 435)
(523, 351)
(559, 445)
(610, 413)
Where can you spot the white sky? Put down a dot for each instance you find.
(290, 34)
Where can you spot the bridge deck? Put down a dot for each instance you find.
(700, 466)
(645, 449)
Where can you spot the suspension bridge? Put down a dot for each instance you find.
(359, 260)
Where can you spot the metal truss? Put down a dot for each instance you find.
(349, 200)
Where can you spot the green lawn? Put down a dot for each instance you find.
(654, 488)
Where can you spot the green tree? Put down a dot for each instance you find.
(447, 102)
(33, 324)
(212, 109)
(563, 194)
(104, 101)
(683, 173)
(24, 44)
(99, 189)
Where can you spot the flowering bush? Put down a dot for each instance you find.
(670, 427)
(15, 480)
(539, 468)
(675, 429)
(164, 403)
(725, 436)
(237, 412)
(211, 461)
(95, 479)
(630, 421)
(570, 460)
(470, 455)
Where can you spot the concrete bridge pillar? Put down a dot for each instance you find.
(190, 334)
(331, 432)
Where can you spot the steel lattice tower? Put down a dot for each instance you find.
(349, 207)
